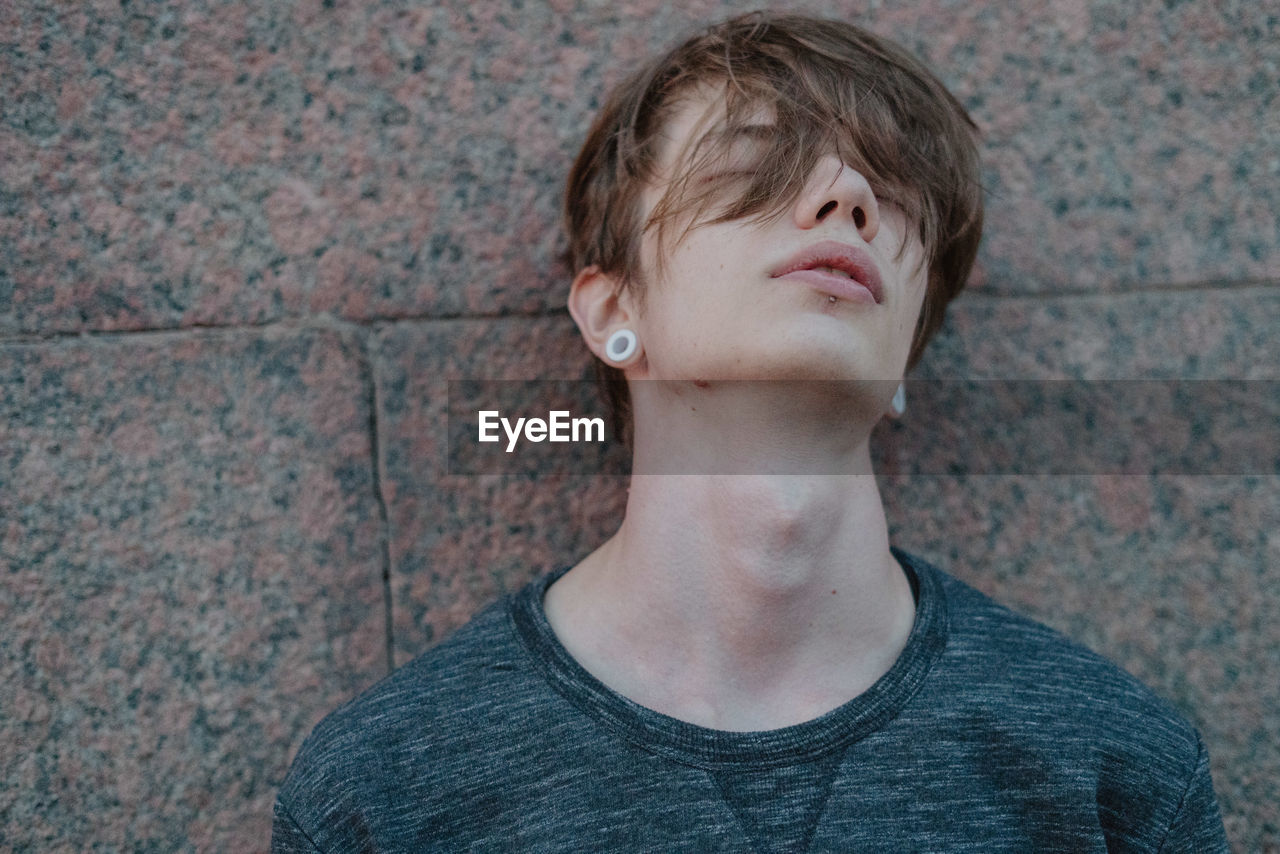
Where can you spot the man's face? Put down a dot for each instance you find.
(726, 307)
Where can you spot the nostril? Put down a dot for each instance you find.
(826, 209)
(859, 217)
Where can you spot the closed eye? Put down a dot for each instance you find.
(730, 174)
(736, 174)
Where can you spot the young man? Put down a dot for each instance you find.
(768, 223)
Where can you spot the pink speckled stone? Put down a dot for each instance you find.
(190, 523)
(459, 541)
(1204, 334)
(176, 165)
(192, 575)
(1146, 383)
(1173, 577)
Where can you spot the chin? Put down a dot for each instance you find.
(806, 352)
(831, 378)
(819, 361)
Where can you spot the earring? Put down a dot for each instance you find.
(899, 402)
(620, 346)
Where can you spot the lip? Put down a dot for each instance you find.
(864, 284)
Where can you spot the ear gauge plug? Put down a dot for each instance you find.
(620, 346)
(899, 402)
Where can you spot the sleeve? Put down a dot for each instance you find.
(1197, 826)
(286, 836)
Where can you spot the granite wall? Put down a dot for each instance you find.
(243, 245)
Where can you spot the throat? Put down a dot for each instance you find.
(776, 603)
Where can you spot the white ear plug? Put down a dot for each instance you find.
(620, 346)
(899, 402)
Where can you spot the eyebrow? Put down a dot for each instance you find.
(724, 138)
(755, 131)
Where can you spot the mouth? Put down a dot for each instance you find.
(836, 269)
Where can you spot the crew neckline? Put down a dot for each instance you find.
(710, 748)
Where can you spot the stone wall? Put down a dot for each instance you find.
(243, 245)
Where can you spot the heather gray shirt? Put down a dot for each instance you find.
(990, 733)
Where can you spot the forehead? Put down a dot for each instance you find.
(697, 120)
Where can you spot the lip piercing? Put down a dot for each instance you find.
(831, 299)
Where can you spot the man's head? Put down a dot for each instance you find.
(791, 94)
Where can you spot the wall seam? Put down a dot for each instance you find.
(290, 322)
(375, 451)
(373, 322)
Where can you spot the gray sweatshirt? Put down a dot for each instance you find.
(991, 733)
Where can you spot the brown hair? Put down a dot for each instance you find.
(830, 85)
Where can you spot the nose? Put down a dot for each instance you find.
(837, 191)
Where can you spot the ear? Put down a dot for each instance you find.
(599, 307)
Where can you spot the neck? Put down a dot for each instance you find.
(743, 601)
(813, 427)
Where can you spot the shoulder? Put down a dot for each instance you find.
(988, 629)
(369, 753)
(1029, 659)
(1034, 699)
(1006, 667)
(444, 679)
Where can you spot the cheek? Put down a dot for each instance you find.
(913, 272)
(913, 305)
(917, 289)
(908, 308)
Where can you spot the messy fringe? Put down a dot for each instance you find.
(828, 87)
